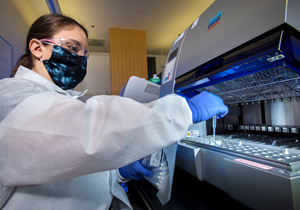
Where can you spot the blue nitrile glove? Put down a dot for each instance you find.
(135, 171)
(122, 91)
(206, 105)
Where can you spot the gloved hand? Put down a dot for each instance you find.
(206, 105)
(122, 91)
(135, 171)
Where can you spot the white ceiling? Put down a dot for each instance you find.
(163, 20)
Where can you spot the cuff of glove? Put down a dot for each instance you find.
(120, 178)
(194, 112)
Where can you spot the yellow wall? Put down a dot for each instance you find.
(128, 56)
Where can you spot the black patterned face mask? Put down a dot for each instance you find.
(66, 69)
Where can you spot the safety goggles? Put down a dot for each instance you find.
(69, 44)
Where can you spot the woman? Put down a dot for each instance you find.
(57, 152)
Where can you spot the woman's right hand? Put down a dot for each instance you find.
(206, 105)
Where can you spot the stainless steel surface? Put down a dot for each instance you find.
(272, 179)
(240, 22)
(250, 59)
(275, 83)
(255, 147)
(285, 112)
(271, 190)
(293, 8)
(188, 157)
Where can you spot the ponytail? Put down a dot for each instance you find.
(25, 60)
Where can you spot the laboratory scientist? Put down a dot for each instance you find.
(57, 152)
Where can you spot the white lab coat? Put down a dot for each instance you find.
(63, 153)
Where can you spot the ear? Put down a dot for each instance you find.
(37, 48)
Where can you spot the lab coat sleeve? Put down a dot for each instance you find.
(120, 178)
(50, 137)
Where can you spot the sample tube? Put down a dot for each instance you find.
(214, 125)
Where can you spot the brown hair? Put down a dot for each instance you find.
(45, 26)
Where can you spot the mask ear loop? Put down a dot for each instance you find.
(47, 41)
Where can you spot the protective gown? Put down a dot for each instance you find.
(64, 154)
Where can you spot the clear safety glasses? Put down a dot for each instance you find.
(69, 44)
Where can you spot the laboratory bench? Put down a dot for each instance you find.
(187, 193)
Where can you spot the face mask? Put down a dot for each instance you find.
(66, 69)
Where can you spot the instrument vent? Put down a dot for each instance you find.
(96, 42)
